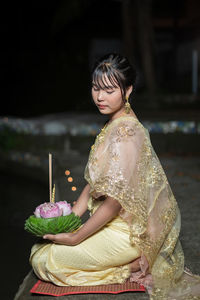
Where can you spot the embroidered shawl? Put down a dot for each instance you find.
(123, 164)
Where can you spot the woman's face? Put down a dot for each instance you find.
(108, 100)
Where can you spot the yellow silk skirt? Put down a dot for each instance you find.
(102, 258)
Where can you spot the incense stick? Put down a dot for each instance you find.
(50, 177)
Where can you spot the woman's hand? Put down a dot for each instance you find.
(69, 239)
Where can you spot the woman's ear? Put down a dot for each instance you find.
(129, 90)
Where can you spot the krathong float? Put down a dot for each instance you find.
(52, 217)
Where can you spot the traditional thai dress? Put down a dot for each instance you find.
(123, 164)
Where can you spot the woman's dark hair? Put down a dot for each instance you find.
(118, 70)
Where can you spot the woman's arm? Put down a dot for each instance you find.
(82, 202)
(104, 213)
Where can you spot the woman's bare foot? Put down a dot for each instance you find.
(134, 265)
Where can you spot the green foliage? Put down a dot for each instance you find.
(41, 226)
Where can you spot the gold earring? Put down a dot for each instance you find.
(127, 106)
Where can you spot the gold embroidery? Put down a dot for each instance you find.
(125, 131)
(115, 156)
(99, 138)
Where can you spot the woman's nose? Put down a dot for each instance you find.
(100, 95)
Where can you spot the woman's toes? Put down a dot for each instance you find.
(135, 266)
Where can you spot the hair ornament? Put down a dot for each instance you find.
(107, 64)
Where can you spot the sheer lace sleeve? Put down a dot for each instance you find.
(113, 163)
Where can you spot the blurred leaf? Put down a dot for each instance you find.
(7, 138)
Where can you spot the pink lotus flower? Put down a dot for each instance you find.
(65, 207)
(37, 211)
(52, 210)
(48, 210)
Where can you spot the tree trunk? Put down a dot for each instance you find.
(129, 35)
(146, 42)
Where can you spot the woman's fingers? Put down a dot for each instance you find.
(61, 238)
(51, 237)
(56, 238)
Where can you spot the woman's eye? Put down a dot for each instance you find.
(95, 89)
(109, 92)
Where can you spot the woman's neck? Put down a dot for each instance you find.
(120, 114)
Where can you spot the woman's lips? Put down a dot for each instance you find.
(102, 106)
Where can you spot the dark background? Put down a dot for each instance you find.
(47, 50)
(48, 47)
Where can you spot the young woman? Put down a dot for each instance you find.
(134, 224)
